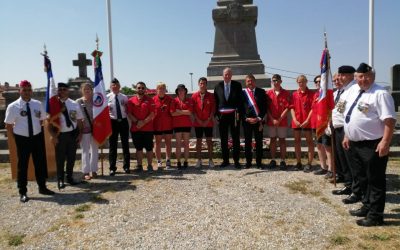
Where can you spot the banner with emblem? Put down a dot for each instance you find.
(325, 102)
(101, 118)
(53, 107)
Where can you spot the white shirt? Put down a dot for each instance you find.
(337, 112)
(367, 118)
(16, 114)
(75, 114)
(123, 100)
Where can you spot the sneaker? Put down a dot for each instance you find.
(211, 163)
(282, 165)
(298, 167)
(272, 164)
(150, 169)
(185, 164)
(320, 171)
(168, 165)
(198, 164)
(159, 164)
(328, 175)
(307, 168)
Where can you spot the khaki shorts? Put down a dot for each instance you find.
(280, 132)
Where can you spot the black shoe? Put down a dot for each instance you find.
(179, 165)
(345, 190)
(307, 168)
(282, 165)
(320, 171)
(338, 180)
(272, 164)
(150, 169)
(60, 184)
(138, 169)
(237, 165)
(127, 170)
(248, 165)
(224, 164)
(298, 167)
(72, 182)
(361, 212)
(368, 222)
(351, 199)
(112, 172)
(185, 164)
(23, 198)
(259, 166)
(45, 191)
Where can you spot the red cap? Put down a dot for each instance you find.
(24, 84)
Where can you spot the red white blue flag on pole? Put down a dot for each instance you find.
(325, 102)
(53, 106)
(101, 119)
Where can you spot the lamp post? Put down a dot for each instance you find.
(191, 80)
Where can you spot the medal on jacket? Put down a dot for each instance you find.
(341, 106)
(363, 107)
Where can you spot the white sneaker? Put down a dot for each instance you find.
(159, 164)
(198, 164)
(211, 164)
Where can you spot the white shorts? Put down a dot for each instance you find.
(280, 132)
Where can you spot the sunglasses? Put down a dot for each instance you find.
(275, 80)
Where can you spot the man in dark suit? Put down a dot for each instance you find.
(228, 99)
(254, 107)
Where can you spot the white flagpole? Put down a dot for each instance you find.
(110, 39)
(371, 33)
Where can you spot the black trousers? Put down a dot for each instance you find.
(226, 123)
(66, 151)
(249, 130)
(343, 164)
(370, 169)
(119, 128)
(27, 146)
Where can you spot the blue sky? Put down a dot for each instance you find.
(159, 40)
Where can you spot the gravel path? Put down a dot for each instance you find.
(196, 209)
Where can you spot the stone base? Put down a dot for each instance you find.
(261, 80)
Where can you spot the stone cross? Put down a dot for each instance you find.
(82, 63)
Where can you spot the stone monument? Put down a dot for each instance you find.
(235, 43)
(82, 64)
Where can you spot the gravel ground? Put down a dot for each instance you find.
(196, 209)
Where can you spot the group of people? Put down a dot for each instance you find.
(359, 135)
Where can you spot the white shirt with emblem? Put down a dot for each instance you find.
(75, 114)
(337, 116)
(16, 115)
(367, 118)
(123, 100)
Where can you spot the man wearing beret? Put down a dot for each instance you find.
(24, 120)
(67, 136)
(342, 161)
(369, 124)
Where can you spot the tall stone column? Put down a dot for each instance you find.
(235, 43)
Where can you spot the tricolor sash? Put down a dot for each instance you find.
(252, 102)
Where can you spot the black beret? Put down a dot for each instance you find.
(346, 69)
(180, 86)
(62, 85)
(364, 68)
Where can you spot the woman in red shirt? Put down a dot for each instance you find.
(181, 110)
(301, 111)
(163, 124)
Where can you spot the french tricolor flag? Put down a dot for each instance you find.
(53, 105)
(101, 118)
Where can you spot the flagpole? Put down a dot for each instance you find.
(371, 33)
(110, 39)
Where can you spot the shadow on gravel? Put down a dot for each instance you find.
(392, 182)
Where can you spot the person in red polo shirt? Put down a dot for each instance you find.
(181, 110)
(141, 114)
(163, 124)
(301, 110)
(203, 111)
(277, 124)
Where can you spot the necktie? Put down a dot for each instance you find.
(227, 89)
(119, 114)
(353, 105)
(66, 115)
(30, 125)
(340, 91)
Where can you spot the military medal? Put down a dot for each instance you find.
(341, 106)
(23, 113)
(72, 114)
(363, 107)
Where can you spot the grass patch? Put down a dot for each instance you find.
(339, 240)
(82, 208)
(4, 165)
(299, 186)
(16, 239)
(377, 237)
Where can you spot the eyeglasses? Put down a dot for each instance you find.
(275, 80)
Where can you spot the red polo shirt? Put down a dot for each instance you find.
(140, 109)
(277, 104)
(203, 109)
(162, 119)
(302, 104)
(314, 111)
(182, 120)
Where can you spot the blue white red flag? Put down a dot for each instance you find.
(325, 102)
(101, 119)
(53, 105)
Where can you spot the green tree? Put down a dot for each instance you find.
(127, 91)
